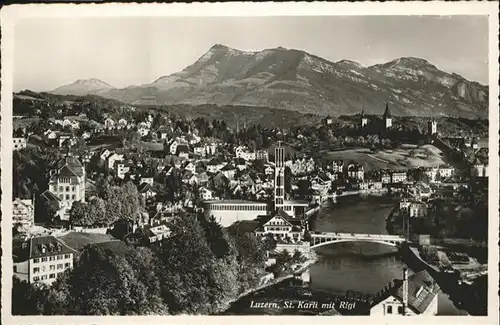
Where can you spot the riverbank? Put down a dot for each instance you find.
(302, 268)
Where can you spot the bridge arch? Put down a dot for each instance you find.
(319, 243)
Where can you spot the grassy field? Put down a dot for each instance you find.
(425, 156)
(18, 123)
(78, 240)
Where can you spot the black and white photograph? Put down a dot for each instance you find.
(250, 165)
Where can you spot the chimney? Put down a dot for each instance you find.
(405, 290)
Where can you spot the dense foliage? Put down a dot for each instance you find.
(197, 271)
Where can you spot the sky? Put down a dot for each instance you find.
(129, 51)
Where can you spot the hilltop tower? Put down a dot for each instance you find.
(279, 176)
(432, 126)
(364, 119)
(387, 117)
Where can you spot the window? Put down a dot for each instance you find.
(73, 188)
(67, 256)
(44, 259)
(73, 197)
(389, 309)
(400, 310)
(36, 260)
(61, 197)
(60, 266)
(52, 267)
(67, 188)
(15, 268)
(43, 277)
(52, 276)
(66, 265)
(52, 258)
(67, 196)
(36, 278)
(59, 257)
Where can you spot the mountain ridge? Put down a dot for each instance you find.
(299, 81)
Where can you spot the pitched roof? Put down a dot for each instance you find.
(422, 289)
(41, 246)
(144, 187)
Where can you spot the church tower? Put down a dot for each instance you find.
(364, 119)
(432, 126)
(279, 176)
(387, 117)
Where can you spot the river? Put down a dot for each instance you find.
(342, 267)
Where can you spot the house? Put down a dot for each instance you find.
(356, 172)
(189, 178)
(338, 166)
(206, 194)
(190, 167)
(146, 191)
(112, 159)
(229, 170)
(203, 178)
(220, 181)
(240, 164)
(214, 165)
(173, 147)
(385, 178)
(66, 140)
(282, 227)
(122, 168)
(262, 155)
(182, 151)
(104, 154)
(155, 234)
(269, 170)
(370, 186)
(50, 135)
(422, 297)
(200, 150)
(18, 143)
(417, 209)
(23, 214)
(42, 259)
(109, 123)
(398, 177)
(147, 180)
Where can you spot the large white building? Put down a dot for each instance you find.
(67, 183)
(227, 212)
(281, 225)
(42, 259)
(23, 213)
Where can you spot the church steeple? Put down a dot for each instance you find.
(387, 117)
(387, 112)
(364, 119)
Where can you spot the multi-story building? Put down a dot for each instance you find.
(281, 225)
(42, 259)
(226, 212)
(398, 177)
(18, 143)
(67, 182)
(356, 172)
(338, 166)
(23, 213)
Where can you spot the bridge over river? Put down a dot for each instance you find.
(325, 238)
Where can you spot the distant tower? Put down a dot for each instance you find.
(432, 126)
(387, 117)
(279, 176)
(364, 119)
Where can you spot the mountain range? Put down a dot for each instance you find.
(298, 81)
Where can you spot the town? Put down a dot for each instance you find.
(107, 193)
